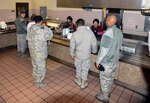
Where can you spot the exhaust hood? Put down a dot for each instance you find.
(98, 4)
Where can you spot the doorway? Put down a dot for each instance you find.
(22, 6)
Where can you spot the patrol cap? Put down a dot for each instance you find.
(38, 19)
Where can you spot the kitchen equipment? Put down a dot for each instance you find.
(128, 48)
(3, 25)
(55, 25)
(65, 32)
(69, 36)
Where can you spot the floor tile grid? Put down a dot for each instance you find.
(20, 75)
(83, 90)
(74, 89)
(13, 88)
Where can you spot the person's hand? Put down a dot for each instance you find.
(97, 66)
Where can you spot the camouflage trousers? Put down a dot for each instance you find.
(21, 43)
(82, 68)
(39, 70)
(107, 78)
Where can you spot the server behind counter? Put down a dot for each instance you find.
(70, 24)
(97, 29)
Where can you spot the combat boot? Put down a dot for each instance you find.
(77, 81)
(40, 85)
(84, 84)
(102, 98)
(19, 54)
(23, 55)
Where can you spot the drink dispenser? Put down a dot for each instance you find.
(65, 32)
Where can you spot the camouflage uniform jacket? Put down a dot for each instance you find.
(37, 37)
(110, 46)
(21, 25)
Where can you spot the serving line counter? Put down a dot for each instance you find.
(8, 38)
(130, 72)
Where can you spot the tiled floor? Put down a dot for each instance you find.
(16, 84)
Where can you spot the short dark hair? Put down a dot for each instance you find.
(38, 19)
(70, 18)
(33, 16)
(80, 22)
(96, 20)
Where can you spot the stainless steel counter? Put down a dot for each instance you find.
(7, 31)
(7, 38)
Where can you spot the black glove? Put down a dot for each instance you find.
(100, 67)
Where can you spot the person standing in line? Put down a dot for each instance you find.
(37, 37)
(31, 22)
(21, 32)
(82, 43)
(108, 56)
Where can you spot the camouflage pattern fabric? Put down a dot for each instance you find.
(108, 57)
(39, 70)
(37, 37)
(21, 43)
(82, 68)
(21, 32)
(21, 25)
(107, 78)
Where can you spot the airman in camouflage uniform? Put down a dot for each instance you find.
(108, 57)
(82, 43)
(37, 37)
(21, 32)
